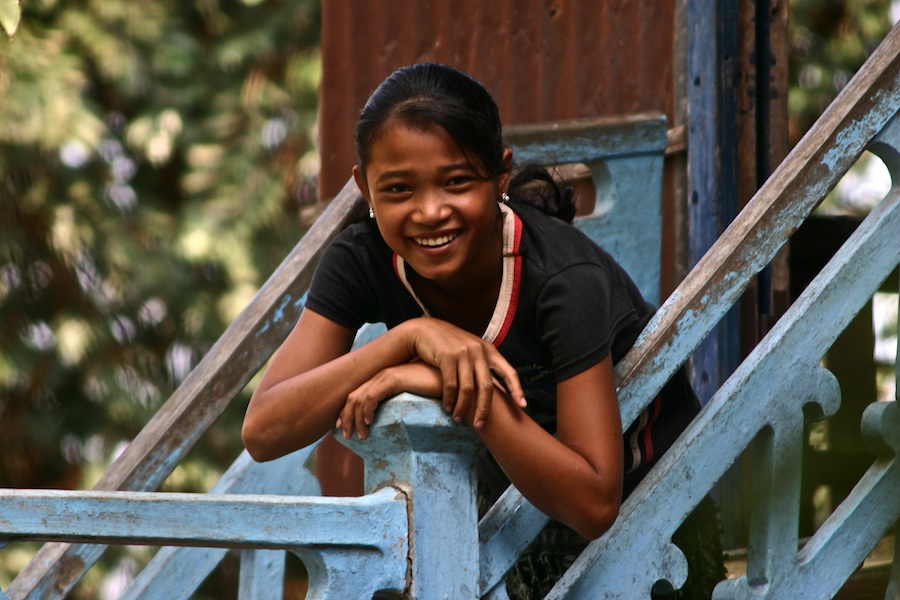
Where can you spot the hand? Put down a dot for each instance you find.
(359, 410)
(471, 369)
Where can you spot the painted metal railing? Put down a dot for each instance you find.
(416, 533)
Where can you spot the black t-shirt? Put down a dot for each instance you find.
(569, 303)
(564, 305)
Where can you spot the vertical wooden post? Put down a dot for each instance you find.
(262, 575)
(737, 135)
(712, 139)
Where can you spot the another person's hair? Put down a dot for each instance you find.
(428, 94)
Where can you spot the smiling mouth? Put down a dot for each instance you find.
(434, 242)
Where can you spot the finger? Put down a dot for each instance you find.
(467, 389)
(485, 394)
(451, 386)
(369, 412)
(362, 428)
(345, 422)
(509, 381)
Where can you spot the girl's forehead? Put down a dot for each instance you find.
(401, 140)
(400, 126)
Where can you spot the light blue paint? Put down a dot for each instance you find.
(768, 390)
(176, 572)
(626, 165)
(414, 441)
(419, 469)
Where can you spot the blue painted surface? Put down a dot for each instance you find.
(768, 391)
(626, 165)
(177, 572)
(415, 442)
(419, 463)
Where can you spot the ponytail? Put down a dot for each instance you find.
(533, 185)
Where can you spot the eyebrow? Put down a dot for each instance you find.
(406, 172)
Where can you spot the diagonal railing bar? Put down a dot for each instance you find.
(244, 347)
(769, 389)
(786, 199)
(797, 186)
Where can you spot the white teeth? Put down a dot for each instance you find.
(432, 242)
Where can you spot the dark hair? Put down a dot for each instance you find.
(428, 94)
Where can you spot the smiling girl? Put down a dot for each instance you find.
(494, 303)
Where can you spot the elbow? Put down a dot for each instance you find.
(594, 526)
(266, 438)
(255, 441)
(597, 523)
(595, 519)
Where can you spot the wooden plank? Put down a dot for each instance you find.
(337, 537)
(712, 138)
(588, 139)
(778, 381)
(262, 575)
(244, 347)
(796, 187)
(504, 533)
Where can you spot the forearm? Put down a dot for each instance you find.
(294, 411)
(551, 475)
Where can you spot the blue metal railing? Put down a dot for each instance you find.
(402, 530)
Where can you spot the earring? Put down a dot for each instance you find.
(371, 213)
(504, 197)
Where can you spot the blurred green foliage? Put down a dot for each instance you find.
(829, 41)
(155, 159)
(10, 15)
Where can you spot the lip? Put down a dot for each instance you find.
(436, 240)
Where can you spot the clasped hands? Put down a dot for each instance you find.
(461, 369)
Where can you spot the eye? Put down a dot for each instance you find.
(395, 188)
(458, 180)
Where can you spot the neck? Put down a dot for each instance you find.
(468, 303)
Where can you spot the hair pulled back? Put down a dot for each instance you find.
(428, 94)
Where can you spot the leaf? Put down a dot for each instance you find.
(10, 13)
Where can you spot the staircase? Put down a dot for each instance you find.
(396, 540)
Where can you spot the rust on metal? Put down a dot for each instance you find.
(541, 61)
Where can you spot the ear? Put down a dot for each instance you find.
(360, 178)
(507, 162)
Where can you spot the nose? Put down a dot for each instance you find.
(431, 208)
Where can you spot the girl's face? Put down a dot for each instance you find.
(431, 207)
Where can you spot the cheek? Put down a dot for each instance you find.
(388, 224)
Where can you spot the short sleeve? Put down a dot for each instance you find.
(339, 289)
(579, 312)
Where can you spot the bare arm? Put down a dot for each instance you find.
(306, 384)
(311, 376)
(575, 478)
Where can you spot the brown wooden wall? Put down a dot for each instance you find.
(541, 59)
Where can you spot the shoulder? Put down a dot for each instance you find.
(358, 251)
(360, 237)
(553, 247)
